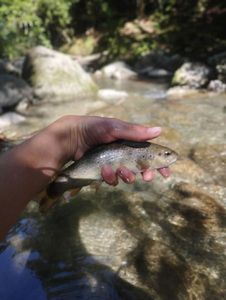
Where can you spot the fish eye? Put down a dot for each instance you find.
(167, 153)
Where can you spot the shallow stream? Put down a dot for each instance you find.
(161, 240)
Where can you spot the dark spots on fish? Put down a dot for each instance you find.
(130, 153)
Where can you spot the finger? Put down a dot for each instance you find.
(108, 175)
(148, 175)
(133, 132)
(165, 172)
(125, 174)
(96, 130)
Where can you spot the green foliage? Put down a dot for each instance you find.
(25, 23)
(193, 28)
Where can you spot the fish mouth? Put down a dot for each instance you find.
(165, 171)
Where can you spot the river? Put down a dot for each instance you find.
(160, 240)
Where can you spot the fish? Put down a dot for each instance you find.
(136, 156)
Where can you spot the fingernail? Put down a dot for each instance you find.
(127, 180)
(154, 130)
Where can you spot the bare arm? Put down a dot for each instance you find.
(28, 168)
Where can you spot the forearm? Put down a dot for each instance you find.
(26, 170)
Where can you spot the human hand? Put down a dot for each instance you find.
(28, 168)
(84, 132)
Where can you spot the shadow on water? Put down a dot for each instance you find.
(67, 270)
(165, 247)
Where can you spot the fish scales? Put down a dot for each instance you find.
(136, 156)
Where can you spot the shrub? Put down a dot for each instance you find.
(25, 23)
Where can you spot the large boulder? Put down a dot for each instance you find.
(12, 91)
(194, 75)
(54, 73)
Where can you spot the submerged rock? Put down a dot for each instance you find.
(131, 245)
(212, 158)
(194, 75)
(111, 95)
(178, 92)
(187, 170)
(54, 73)
(12, 91)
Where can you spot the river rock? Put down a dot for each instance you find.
(117, 70)
(212, 158)
(217, 86)
(54, 73)
(111, 95)
(12, 91)
(187, 170)
(8, 119)
(219, 62)
(12, 67)
(178, 92)
(194, 75)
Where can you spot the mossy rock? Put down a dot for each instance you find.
(54, 73)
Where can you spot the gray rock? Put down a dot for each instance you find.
(54, 73)
(117, 70)
(8, 119)
(195, 75)
(178, 92)
(12, 91)
(217, 86)
(12, 67)
(112, 95)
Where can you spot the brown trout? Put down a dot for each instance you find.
(136, 156)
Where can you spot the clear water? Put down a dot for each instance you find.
(162, 240)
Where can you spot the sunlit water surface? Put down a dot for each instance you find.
(160, 240)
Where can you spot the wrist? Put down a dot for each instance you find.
(47, 151)
(57, 138)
